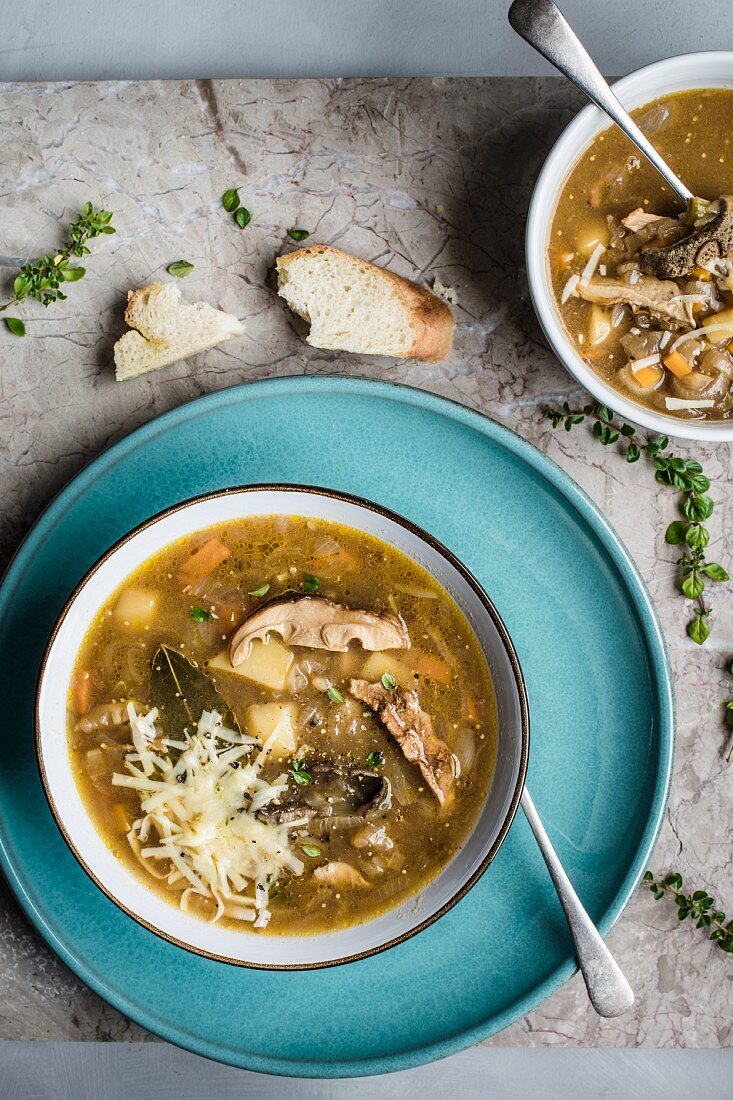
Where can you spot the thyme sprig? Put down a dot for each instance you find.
(44, 277)
(685, 475)
(698, 906)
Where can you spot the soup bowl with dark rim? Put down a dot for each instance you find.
(676, 74)
(247, 948)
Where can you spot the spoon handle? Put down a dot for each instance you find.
(542, 24)
(609, 992)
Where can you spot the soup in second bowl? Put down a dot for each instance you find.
(645, 289)
(282, 723)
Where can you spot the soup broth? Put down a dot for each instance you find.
(635, 275)
(282, 723)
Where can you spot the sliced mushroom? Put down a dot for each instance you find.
(374, 835)
(340, 874)
(639, 218)
(709, 242)
(413, 731)
(660, 298)
(319, 624)
(336, 791)
(104, 717)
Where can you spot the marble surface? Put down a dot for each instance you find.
(430, 178)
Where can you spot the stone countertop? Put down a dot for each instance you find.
(430, 178)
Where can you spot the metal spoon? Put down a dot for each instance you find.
(609, 992)
(543, 25)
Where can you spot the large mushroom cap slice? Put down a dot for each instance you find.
(710, 241)
(318, 624)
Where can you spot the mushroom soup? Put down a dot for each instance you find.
(645, 289)
(282, 723)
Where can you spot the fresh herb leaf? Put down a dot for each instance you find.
(693, 586)
(243, 217)
(676, 532)
(311, 584)
(15, 325)
(181, 268)
(311, 850)
(388, 681)
(698, 629)
(72, 274)
(298, 234)
(42, 278)
(683, 474)
(261, 591)
(230, 200)
(375, 759)
(301, 775)
(334, 694)
(199, 614)
(698, 906)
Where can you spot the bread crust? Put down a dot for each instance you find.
(431, 319)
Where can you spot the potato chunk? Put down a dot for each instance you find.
(268, 664)
(136, 608)
(264, 720)
(377, 664)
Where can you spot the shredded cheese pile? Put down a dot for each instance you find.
(198, 829)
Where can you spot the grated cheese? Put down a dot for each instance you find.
(647, 361)
(590, 267)
(198, 828)
(677, 404)
(695, 332)
(569, 289)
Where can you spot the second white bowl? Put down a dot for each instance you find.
(675, 74)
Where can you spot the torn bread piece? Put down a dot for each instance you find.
(166, 329)
(352, 305)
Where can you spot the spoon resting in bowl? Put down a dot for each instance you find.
(609, 992)
(543, 25)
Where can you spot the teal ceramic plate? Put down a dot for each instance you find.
(600, 700)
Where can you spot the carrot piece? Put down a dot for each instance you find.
(83, 691)
(647, 376)
(428, 665)
(701, 273)
(120, 819)
(677, 364)
(470, 708)
(206, 558)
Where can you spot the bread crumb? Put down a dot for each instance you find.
(447, 293)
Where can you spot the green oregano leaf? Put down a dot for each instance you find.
(715, 571)
(676, 532)
(693, 586)
(698, 630)
(230, 200)
(15, 325)
(180, 268)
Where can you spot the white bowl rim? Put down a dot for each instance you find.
(484, 600)
(672, 74)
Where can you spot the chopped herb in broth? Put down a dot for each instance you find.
(283, 724)
(645, 288)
